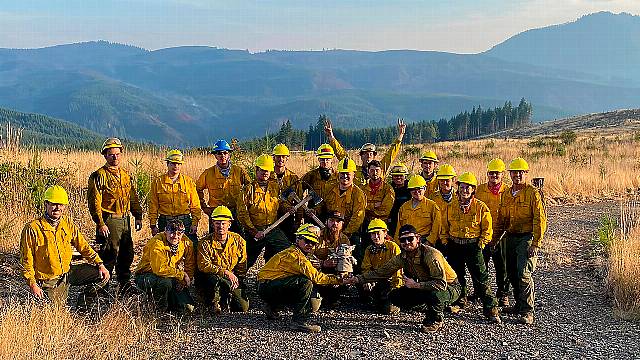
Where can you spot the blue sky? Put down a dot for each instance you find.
(462, 26)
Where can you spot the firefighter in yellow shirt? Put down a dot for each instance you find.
(522, 216)
(222, 261)
(287, 279)
(368, 153)
(380, 195)
(377, 254)
(429, 280)
(172, 196)
(420, 212)
(490, 193)
(429, 163)
(111, 196)
(223, 182)
(46, 250)
(257, 209)
(319, 177)
(399, 182)
(445, 194)
(166, 269)
(287, 180)
(467, 229)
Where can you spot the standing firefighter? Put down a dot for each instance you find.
(46, 249)
(257, 209)
(288, 279)
(523, 218)
(466, 227)
(222, 261)
(445, 194)
(324, 173)
(429, 282)
(399, 182)
(423, 214)
(111, 196)
(286, 180)
(490, 193)
(173, 196)
(380, 195)
(223, 181)
(167, 267)
(368, 152)
(429, 163)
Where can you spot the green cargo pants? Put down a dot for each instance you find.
(432, 303)
(117, 250)
(497, 255)
(87, 275)
(292, 291)
(520, 268)
(469, 256)
(217, 289)
(164, 292)
(272, 243)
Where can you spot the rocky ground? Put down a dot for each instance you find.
(573, 320)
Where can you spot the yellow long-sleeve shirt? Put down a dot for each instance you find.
(351, 204)
(314, 179)
(425, 217)
(215, 258)
(327, 245)
(493, 201)
(388, 158)
(374, 260)
(45, 251)
(523, 213)
(379, 204)
(288, 180)
(426, 265)
(173, 198)
(157, 258)
(476, 223)
(432, 185)
(112, 191)
(258, 206)
(221, 190)
(291, 262)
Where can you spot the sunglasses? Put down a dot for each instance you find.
(309, 242)
(222, 153)
(406, 239)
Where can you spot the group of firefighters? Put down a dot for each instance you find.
(415, 237)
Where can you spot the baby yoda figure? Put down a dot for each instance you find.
(345, 261)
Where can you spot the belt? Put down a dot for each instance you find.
(114, 216)
(463, 241)
(176, 217)
(520, 234)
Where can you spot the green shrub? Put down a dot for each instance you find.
(568, 137)
(606, 232)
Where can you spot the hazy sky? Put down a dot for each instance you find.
(463, 26)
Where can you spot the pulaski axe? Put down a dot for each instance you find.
(290, 194)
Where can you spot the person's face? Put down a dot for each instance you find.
(221, 228)
(495, 177)
(280, 160)
(398, 179)
(335, 225)
(173, 168)
(262, 175)
(466, 191)
(409, 242)
(325, 163)
(305, 245)
(428, 166)
(222, 158)
(417, 193)
(54, 210)
(174, 236)
(374, 173)
(113, 156)
(445, 185)
(346, 179)
(367, 156)
(518, 177)
(378, 237)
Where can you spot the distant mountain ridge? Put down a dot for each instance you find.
(193, 95)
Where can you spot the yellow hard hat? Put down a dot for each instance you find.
(325, 151)
(518, 164)
(221, 213)
(309, 231)
(376, 224)
(175, 156)
(264, 162)
(416, 181)
(111, 143)
(399, 169)
(56, 194)
(368, 147)
(496, 165)
(446, 171)
(468, 178)
(280, 149)
(346, 165)
(429, 155)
